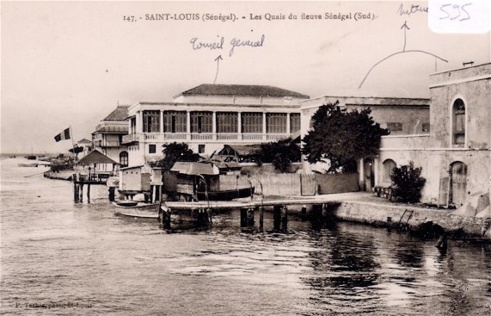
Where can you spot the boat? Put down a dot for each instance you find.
(31, 157)
(135, 213)
(130, 204)
(126, 203)
(226, 195)
(33, 164)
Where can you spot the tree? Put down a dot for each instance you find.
(281, 154)
(342, 137)
(407, 183)
(174, 152)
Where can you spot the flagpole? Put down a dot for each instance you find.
(73, 144)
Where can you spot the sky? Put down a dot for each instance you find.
(71, 63)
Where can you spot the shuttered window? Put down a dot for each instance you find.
(175, 122)
(294, 122)
(201, 122)
(276, 123)
(151, 121)
(252, 122)
(227, 122)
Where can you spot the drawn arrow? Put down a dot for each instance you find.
(405, 27)
(218, 67)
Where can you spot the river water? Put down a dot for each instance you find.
(58, 258)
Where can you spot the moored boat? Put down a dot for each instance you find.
(33, 164)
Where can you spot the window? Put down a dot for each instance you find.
(175, 122)
(151, 121)
(294, 122)
(227, 122)
(123, 159)
(459, 122)
(394, 126)
(201, 149)
(201, 122)
(152, 149)
(252, 122)
(275, 123)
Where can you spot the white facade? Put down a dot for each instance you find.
(207, 122)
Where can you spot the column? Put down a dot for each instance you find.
(288, 127)
(139, 122)
(188, 125)
(214, 125)
(264, 127)
(239, 126)
(161, 122)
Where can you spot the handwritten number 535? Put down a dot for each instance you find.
(455, 11)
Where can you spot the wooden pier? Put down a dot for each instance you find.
(203, 210)
(79, 181)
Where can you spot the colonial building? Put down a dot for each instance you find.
(108, 135)
(455, 155)
(210, 115)
(402, 116)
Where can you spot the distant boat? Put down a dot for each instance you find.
(31, 157)
(34, 164)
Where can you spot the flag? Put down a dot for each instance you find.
(63, 135)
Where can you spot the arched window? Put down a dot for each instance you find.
(459, 122)
(388, 166)
(123, 159)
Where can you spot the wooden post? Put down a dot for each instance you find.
(88, 193)
(250, 217)
(111, 194)
(276, 217)
(316, 216)
(75, 188)
(284, 218)
(243, 217)
(81, 195)
(209, 213)
(261, 217)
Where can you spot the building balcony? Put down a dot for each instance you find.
(130, 138)
(107, 144)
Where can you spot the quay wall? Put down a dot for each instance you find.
(293, 184)
(378, 214)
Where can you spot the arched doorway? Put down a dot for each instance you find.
(369, 176)
(458, 181)
(388, 165)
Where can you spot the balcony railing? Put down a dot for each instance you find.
(218, 137)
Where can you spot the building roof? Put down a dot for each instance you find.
(242, 90)
(242, 150)
(95, 157)
(84, 141)
(120, 113)
(195, 168)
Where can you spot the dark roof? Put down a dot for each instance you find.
(112, 129)
(95, 157)
(242, 90)
(242, 150)
(119, 114)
